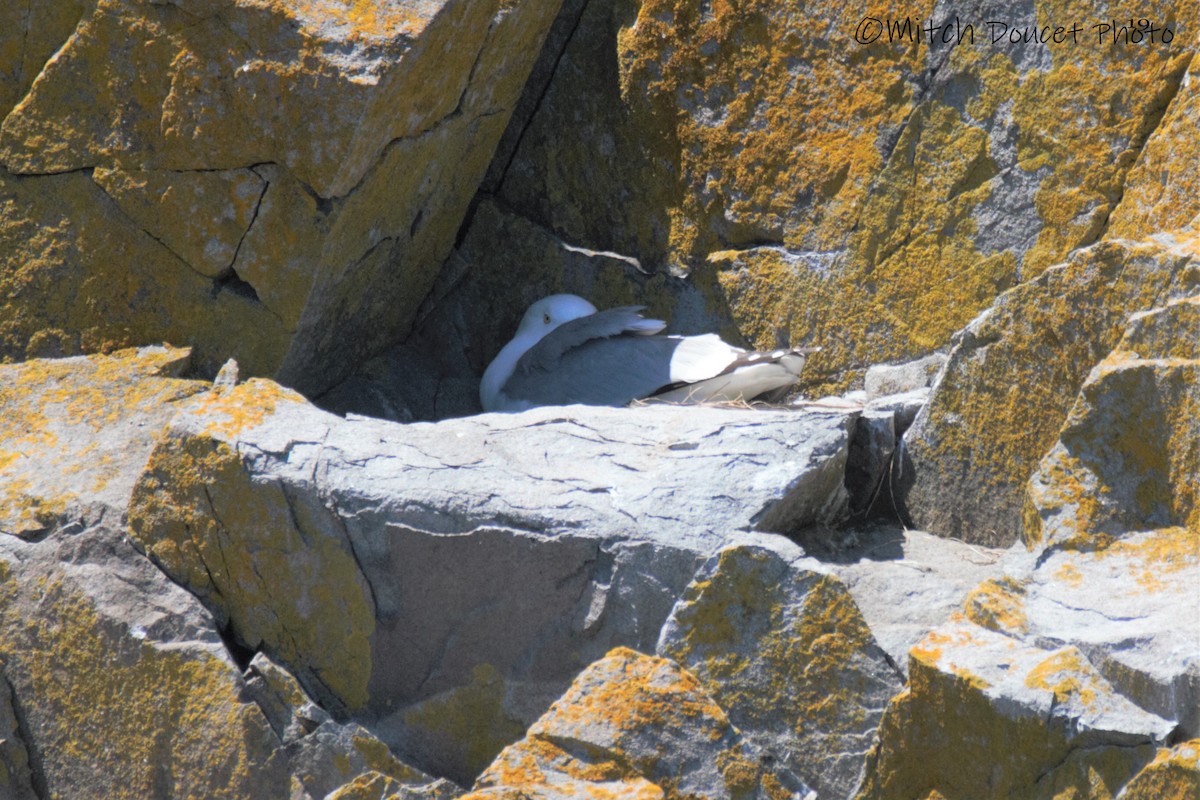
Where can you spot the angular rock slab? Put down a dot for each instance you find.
(121, 685)
(779, 643)
(986, 716)
(1012, 378)
(634, 726)
(1125, 607)
(326, 757)
(76, 432)
(447, 581)
(16, 781)
(126, 690)
(1174, 774)
(909, 582)
(1128, 457)
(1163, 190)
(273, 181)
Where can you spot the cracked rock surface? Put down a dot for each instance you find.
(247, 177)
(466, 570)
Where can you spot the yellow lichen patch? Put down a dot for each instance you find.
(535, 765)
(930, 650)
(1125, 463)
(284, 583)
(202, 216)
(1002, 401)
(1174, 774)
(651, 692)
(241, 408)
(379, 758)
(998, 605)
(368, 20)
(782, 650)
(1069, 676)
(712, 609)
(1153, 556)
(128, 719)
(471, 716)
(77, 275)
(58, 422)
(942, 723)
(1088, 775)
(716, 88)
(1163, 189)
(369, 786)
(1069, 574)
(604, 738)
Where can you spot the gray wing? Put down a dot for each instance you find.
(546, 354)
(599, 371)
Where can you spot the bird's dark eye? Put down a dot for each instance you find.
(545, 319)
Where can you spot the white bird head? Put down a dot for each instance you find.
(542, 317)
(548, 313)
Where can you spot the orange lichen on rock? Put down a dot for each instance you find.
(957, 733)
(1127, 457)
(603, 737)
(1174, 774)
(128, 718)
(244, 406)
(1013, 377)
(77, 430)
(998, 605)
(242, 546)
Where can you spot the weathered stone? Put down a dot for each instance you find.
(125, 688)
(420, 545)
(1128, 457)
(779, 643)
(985, 716)
(230, 539)
(1091, 612)
(76, 432)
(121, 683)
(377, 786)
(634, 726)
(76, 275)
(1174, 774)
(908, 582)
(1119, 605)
(882, 380)
(326, 757)
(904, 407)
(1013, 375)
(16, 782)
(273, 181)
(1162, 192)
(869, 465)
(877, 227)
(173, 208)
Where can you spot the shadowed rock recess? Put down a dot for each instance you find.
(962, 563)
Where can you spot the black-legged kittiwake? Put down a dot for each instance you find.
(565, 351)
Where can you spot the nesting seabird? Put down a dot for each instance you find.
(565, 351)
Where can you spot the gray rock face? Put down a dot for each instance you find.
(1012, 377)
(633, 725)
(116, 681)
(478, 564)
(780, 644)
(906, 583)
(882, 380)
